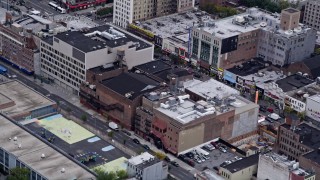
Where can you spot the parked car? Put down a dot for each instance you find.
(214, 144)
(269, 119)
(190, 154)
(167, 159)
(146, 147)
(181, 156)
(263, 109)
(126, 132)
(136, 141)
(222, 149)
(270, 110)
(175, 164)
(208, 147)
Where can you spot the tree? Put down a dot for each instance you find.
(101, 175)
(84, 118)
(110, 134)
(288, 109)
(301, 115)
(19, 174)
(119, 175)
(122, 174)
(160, 155)
(317, 51)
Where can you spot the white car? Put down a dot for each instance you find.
(14, 76)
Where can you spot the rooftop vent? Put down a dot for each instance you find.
(15, 138)
(43, 156)
(63, 170)
(19, 146)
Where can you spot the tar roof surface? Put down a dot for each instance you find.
(293, 82)
(25, 98)
(130, 82)
(153, 67)
(313, 156)
(32, 149)
(309, 135)
(242, 163)
(247, 68)
(314, 65)
(86, 44)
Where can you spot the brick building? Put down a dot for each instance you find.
(178, 121)
(17, 45)
(115, 94)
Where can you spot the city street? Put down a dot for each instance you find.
(93, 121)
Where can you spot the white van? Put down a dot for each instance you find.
(274, 116)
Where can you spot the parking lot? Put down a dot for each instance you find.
(214, 158)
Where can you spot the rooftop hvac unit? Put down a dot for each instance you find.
(239, 19)
(108, 35)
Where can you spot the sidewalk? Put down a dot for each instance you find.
(172, 157)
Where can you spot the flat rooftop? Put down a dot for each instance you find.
(185, 110)
(25, 99)
(153, 67)
(317, 96)
(140, 158)
(173, 25)
(247, 68)
(242, 163)
(313, 156)
(293, 82)
(210, 89)
(130, 84)
(310, 90)
(291, 10)
(31, 150)
(252, 19)
(101, 37)
(309, 135)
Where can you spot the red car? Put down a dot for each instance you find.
(270, 110)
(214, 144)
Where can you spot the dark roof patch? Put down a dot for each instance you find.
(293, 82)
(135, 84)
(242, 163)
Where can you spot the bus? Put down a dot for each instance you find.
(57, 8)
(61, 10)
(53, 5)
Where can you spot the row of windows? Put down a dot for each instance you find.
(69, 79)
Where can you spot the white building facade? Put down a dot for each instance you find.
(65, 61)
(313, 107)
(146, 166)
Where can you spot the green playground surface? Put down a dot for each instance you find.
(65, 129)
(113, 166)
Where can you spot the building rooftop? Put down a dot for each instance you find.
(309, 135)
(184, 110)
(293, 82)
(242, 163)
(25, 99)
(173, 25)
(141, 158)
(247, 68)
(314, 65)
(210, 175)
(310, 90)
(153, 67)
(291, 10)
(210, 89)
(315, 97)
(252, 19)
(29, 149)
(104, 68)
(101, 37)
(130, 85)
(313, 156)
